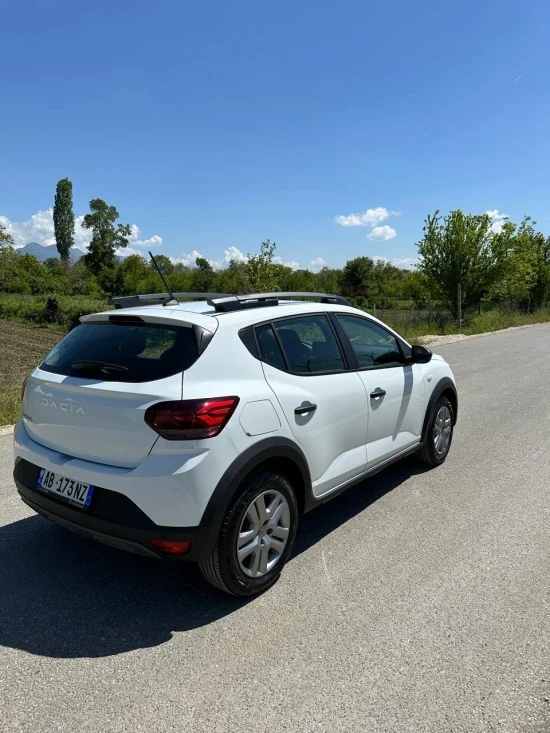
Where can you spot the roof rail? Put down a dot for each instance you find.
(227, 303)
(223, 302)
(132, 301)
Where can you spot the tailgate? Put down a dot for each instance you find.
(89, 396)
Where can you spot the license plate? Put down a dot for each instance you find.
(74, 492)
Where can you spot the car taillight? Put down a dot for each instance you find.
(23, 388)
(191, 419)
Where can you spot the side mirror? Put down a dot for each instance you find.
(420, 355)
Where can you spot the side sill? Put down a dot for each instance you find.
(318, 500)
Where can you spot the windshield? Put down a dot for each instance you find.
(122, 352)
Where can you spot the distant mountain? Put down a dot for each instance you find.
(45, 252)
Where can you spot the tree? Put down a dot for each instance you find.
(106, 238)
(328, 280)
(203, 277)
(415, 287)
(137, 277)
(5, 238)
(233, 278)
(540, 291)
(164, 263)
(261, 272)
(63, 218)
(357, 276)
(458, 250)
(524, 269)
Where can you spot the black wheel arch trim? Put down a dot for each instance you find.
(268, 449)
(444, 384)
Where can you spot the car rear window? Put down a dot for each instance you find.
(122, 352)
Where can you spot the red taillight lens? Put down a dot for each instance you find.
(171, 548)
(191, 419)
(23, 389)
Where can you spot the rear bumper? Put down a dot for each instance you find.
(112, 519)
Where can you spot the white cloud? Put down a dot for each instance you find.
(404, 263)
(278, 260)
(135, 241)
(39, 228)
(317, 264)
(498, 220)
(234, 255)
(369, 218)
(189, 260)
(127, 251)
(154, 241)
(381, 234)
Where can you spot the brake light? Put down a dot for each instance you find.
(191, 419)
(23, 388)
(171, 548)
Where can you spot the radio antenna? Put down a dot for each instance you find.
(172, 300)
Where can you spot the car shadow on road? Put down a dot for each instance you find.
(65, 597)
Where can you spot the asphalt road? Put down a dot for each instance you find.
(419, 601)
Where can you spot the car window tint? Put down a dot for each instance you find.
(270, 351)
(141, 353)
(309, 344)
(247, 337)
(373, 345)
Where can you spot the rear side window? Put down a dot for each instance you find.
(123, 353)
(309, 345)
(270, 351)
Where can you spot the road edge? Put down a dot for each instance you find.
(458, 338)
(6, 430)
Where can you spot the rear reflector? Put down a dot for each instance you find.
(191, 419)
(171, 548)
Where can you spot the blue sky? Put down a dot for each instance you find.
(215, 125)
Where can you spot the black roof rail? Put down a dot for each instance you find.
(132, 301)
(225, 304)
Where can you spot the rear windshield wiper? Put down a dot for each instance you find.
(103, 366)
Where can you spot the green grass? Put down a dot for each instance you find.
(495, 320)
(442, 323)
(22, 347)
(60, 312)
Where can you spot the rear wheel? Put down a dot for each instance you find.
(439, 434)
(256, 536)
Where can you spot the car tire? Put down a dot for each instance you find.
(256, 536)
(439, 434)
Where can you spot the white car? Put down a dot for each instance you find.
(203, 430)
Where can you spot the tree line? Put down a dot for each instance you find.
(458, 253)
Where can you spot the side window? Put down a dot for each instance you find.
(373, 345)
(270, 351)
(309, 345)
(247, 337)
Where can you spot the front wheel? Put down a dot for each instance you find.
(439, 434)
(255, 538)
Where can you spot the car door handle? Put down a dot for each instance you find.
(305, 407)
(378, 393)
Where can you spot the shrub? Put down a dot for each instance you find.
(62, 312)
